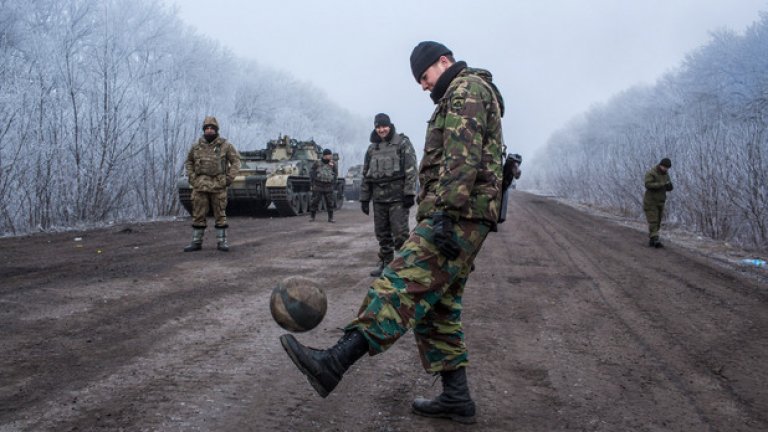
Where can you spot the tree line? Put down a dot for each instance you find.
(710, 116)
(100, 101)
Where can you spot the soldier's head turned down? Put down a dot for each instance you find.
(424, 55)
(666, 162)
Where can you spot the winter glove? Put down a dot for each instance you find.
(444, 236)
(365, 206)
(229, 181)
(668, 187)
(408, 201)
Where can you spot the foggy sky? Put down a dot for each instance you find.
(552, 59)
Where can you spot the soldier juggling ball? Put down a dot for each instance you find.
(458, 205)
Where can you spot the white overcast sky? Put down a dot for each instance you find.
(552, 59)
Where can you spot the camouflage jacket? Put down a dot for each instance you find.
(323, 176)
(211, 167)
(655, 186)
(461, 171)
(389, 169)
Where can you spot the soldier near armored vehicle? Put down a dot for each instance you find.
(389, 180)
(322, 176)
(212, 164)
(422, 288)
(657, 184)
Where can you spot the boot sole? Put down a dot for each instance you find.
(454, 417)
(286, 341)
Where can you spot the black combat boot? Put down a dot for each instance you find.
(453, 403)
(330, 217)
(658, 244)
(221, 240)
(379, 268)
(311, 216)
(197, 240)
(324, 368)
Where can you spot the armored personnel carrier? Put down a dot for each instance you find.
(276, 175)
(353, 182)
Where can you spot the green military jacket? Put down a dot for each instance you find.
(655, 187)
(461, 171)
(389, 169)
(211, 167)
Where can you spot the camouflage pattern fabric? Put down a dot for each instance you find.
(654, 199)
(202, 202)
(461, 170)
(390, 221)
(422, 290)
(461, 175)
(327, 196)
(323, 176)
(389, 169)
(211, 167)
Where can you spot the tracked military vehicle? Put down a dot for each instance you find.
(352, 182)
(276, 175)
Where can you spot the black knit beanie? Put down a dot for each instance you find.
(425, 55)
(327, 152)
(666, 162)
(381, 119)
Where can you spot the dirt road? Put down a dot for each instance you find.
(572, 322)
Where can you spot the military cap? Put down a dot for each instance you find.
(424, 55)
(381, 119)
(666, 162)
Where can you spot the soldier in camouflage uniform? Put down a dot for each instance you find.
(657, 184)
(322, 176)
(212, 164)
(389, 180)
(422, 288)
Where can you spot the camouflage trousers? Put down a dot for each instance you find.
(390, 221)
(653, 214)
(327, 197)
(422, 290)
(203, 201)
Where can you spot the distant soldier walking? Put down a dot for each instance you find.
(212, 164)
(389, 180)
(322, 176)
(657, 184)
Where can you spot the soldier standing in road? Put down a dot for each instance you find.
(422, 288)
(657, 184)
(389, 180)
(322, 176)
(212, 164)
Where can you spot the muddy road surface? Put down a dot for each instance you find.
(572, 322)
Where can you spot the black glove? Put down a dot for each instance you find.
(444, 237)
(229, 181)
(365, 206)
(408, 201)
(668, 187)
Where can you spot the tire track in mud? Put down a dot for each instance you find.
(631, 293)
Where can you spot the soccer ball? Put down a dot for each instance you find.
(298, 304)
